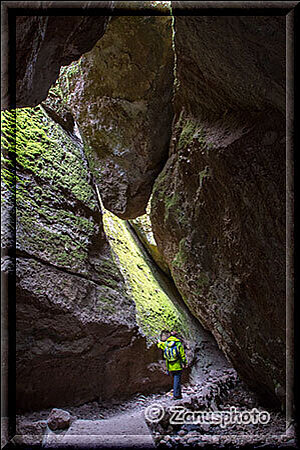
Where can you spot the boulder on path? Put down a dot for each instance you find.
(58, 419)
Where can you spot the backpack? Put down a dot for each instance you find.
(171, 352)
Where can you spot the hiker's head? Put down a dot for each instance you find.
(164, 335)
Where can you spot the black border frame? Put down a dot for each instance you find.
(290, 9)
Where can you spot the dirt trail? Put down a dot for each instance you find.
(93, 425)
(123, 425)
(125, 430)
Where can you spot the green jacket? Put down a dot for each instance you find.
(174, 365)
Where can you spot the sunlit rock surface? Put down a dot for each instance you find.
(143, 228)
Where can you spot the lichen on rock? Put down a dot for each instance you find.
(121, 99)
(74, 318)
(218, 206)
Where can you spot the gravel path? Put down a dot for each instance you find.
(122, 424)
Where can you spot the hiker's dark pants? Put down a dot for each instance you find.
(176, 374)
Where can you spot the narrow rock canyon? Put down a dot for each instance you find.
(144, 164)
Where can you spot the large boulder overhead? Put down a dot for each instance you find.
(120, 97)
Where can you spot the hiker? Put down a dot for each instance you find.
(175, 358)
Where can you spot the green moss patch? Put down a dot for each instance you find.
(155, 310)
(56, 208)
(188, 131)
(143, 227)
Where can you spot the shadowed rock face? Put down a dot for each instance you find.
(76, 329)
(44, 44)
(230, 64)
(70, 350)
(121, 99)
(218, 207)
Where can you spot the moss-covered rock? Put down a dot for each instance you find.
(120, 95)
(58, 218)
(75, 317)
(143, 228)
(155, 309)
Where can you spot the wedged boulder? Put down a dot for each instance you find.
(45, 43)
(120, 96)
(218, 207)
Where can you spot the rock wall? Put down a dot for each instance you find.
(120, 97)
(89, 305)
(45, 43)
(218, 207)
(76, 329)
